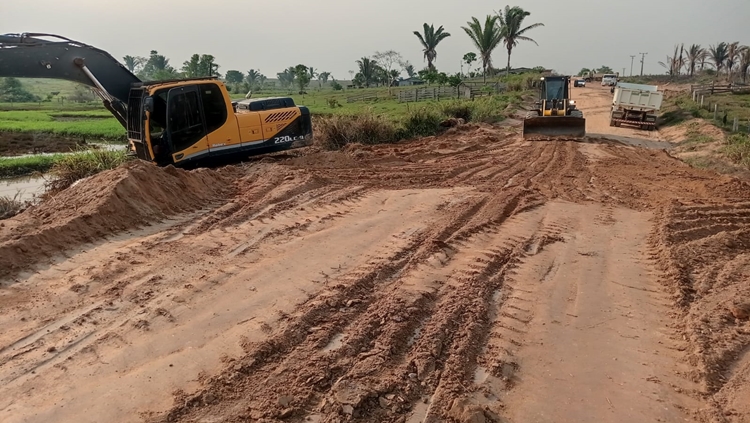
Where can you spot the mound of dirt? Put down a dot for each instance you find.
(134, 194)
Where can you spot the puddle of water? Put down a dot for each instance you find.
(26, 187)
(335, 343)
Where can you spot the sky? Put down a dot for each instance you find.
(330, 35)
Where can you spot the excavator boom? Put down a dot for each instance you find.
(31, 56)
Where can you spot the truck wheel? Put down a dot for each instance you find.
(612, 123)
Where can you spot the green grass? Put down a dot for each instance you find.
(11, 206)
(423, 119)
(88, 124)
(738, 149)
(27, 165)
(682, 107)
(69, 168)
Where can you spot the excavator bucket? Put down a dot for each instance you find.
(554, 126)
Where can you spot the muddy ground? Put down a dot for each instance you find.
(470, 277)
(20, 143)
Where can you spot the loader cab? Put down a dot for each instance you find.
(554, 93)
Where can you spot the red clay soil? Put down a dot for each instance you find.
(469, 277)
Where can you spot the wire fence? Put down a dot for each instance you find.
(712, 99)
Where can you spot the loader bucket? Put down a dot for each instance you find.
(554, 126)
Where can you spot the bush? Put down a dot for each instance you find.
(73, 167)
(422, 122)
(336, 86)
(738, 149)
(457, 109)
(334, 132)
(11, 206)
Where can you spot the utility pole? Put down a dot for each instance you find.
(632, 57)
(643, 58)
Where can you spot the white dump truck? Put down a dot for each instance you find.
(636, 104)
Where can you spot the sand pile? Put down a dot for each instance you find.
(132, 195)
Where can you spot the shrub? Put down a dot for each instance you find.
(336, 86)
(334, 132)
(738, 149)
(422, 122)
(11, 206)
(457, 109)
(73, 167)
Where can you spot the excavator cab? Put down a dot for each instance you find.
(556, 114)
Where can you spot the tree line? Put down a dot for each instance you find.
(729, 59)
(382, 68)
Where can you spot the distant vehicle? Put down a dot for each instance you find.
(579, 83)
(609, 79)
(637, 105)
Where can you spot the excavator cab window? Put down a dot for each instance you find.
(185, 121)
(214, 106)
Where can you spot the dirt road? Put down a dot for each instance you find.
(471, 277)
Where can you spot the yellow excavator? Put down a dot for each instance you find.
(556, 114)
(178, 122)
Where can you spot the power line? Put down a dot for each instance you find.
(632, 57)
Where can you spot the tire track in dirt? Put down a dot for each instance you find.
(391, 283)
(704, 254)
(382, 353)
(182, 287)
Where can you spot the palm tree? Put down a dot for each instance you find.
(368, 68)
(745, 63)
(673, 63)
(511, 22)
(312, 73)
(703, 57)
(485, 39)
(131, 62)
(430, 40)
(323, 78)
(733, 55)
(719, 54)
(693, 57)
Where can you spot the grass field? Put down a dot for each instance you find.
(94, 124)
(682, 107)
(21, 166)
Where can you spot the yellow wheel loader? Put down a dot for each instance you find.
(183, 122)
(556, 114)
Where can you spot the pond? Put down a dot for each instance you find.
(26, 187)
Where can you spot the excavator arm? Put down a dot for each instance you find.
(30, 56)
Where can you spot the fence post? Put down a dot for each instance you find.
(735, 126)
(701, 101)
(716, 111)
(694, 99)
